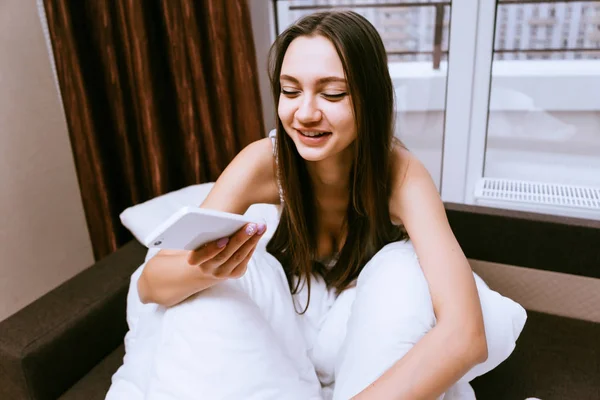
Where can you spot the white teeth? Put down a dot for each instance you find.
(312, 134)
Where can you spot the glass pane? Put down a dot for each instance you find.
(416, 35)
(544, 111)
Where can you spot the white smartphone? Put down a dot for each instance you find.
(192, 227)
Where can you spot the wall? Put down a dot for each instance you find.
(549, 292)
(43, 234)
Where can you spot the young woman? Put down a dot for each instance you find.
(358, 210)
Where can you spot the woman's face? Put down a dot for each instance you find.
(314, 105)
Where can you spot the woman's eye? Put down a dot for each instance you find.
(334, 96)
(289, 92)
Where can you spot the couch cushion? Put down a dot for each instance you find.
(95, 384)
(555, 358)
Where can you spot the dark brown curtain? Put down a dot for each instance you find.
(158, 95)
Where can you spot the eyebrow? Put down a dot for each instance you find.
(327, 79)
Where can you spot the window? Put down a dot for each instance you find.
(416, 37)
(511, 121)
(543, 127)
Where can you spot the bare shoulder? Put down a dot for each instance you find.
(411, 183)
(249, 179)
(406, 167)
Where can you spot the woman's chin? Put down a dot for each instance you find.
(311, 154)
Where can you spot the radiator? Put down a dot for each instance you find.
(551, 198)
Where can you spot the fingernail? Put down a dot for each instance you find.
(251, 229)
(261, 229)
(222, 242)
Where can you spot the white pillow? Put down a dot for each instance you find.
(142, 218)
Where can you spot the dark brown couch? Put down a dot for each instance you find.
(68, 343)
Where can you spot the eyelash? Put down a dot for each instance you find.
(336, 96)
(288, 93)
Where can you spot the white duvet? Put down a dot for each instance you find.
(242, 339)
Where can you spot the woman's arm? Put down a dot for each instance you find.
(457, 342)
(172, 276)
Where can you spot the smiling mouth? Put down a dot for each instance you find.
(314, 134)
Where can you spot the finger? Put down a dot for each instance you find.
(238, 257)
(207, 252)
(240, 270)
(236, 241)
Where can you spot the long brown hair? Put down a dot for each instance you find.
(368, 222)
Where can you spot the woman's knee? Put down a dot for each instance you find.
(264, 281)
(221, 304)
(392, 311)
(392, 288)
(256, 289)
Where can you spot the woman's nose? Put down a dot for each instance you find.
(308, 112)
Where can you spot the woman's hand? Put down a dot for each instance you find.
(174, 275)
(228, 257)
